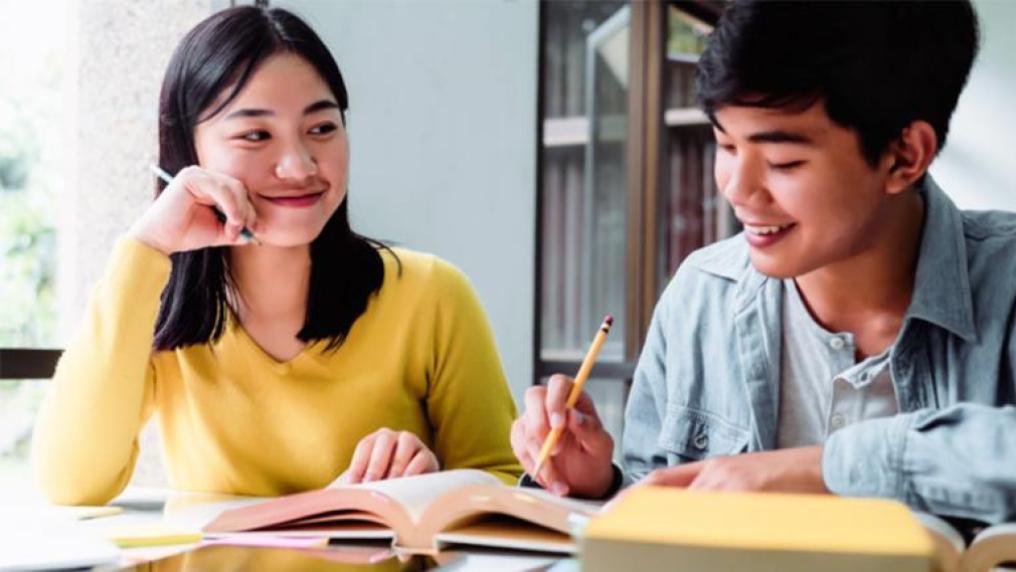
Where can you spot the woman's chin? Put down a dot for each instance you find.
(286, 239)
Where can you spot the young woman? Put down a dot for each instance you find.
(279, 366)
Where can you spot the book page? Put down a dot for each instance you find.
(579, 506)
(948, 541)
(994, 546)
(499, 531)
(415, 493)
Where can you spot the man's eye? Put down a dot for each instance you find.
(255, 136)
(726, 148)
(323, 129)
(786, 166)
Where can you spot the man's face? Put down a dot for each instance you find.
(799, 183)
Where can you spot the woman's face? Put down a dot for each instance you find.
(283, 138)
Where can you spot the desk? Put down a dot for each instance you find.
(193, 510)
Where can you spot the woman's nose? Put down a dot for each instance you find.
(296, 163)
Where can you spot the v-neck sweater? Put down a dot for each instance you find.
(421, 358)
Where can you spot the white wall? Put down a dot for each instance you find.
(977, 167)
(442, 128)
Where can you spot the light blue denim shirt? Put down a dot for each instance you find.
(707, 382)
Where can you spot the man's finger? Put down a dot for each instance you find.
(586, 406)
(558, 389)
(679, 476)
(550, 478)
(535, 416)
(518, 443)
(589, 433)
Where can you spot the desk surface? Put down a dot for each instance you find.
(143, 506)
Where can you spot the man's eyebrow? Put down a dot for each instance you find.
(312, 108)
(779, 136)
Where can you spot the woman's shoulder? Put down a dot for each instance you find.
(407, 268)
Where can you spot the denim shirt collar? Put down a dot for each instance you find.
(942, 294)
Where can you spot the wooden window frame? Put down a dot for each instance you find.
(647, 61)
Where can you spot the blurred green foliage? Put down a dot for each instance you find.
(33, 129)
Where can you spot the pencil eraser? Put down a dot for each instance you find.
(609, 319)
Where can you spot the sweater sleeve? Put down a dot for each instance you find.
(468, 403)
(85, 442)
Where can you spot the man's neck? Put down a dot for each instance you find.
(869, 293)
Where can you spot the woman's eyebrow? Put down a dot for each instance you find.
(254, 112)
(319, 106)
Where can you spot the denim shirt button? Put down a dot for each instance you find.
(836, 343)
(701, 441)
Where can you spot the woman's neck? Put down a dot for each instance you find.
(271, 282)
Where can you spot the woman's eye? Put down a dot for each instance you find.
(786, 166)
(255, 136)
(323, 129)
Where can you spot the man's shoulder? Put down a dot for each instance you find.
(995, 226)
(989, 239)
(727, 259)
(712, 274)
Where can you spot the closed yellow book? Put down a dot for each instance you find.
(659, 528)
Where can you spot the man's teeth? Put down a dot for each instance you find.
(765, 229)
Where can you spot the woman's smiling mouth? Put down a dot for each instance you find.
(296, 200)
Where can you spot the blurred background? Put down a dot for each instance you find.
(552, 150)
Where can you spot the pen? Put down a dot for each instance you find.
(576, 390)
(167, 178)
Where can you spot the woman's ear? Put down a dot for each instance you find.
(910, 155)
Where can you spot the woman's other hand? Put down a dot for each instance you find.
(388, 454)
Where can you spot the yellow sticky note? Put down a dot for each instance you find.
(151, 534)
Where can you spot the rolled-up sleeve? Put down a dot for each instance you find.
(959, 461)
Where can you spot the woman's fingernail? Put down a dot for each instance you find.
(579, 418)
(556, 420)
(558, 489)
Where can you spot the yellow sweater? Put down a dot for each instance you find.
(233, 420)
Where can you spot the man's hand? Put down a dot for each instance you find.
(580, 465)
(797, 470)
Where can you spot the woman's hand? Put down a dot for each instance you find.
(183, 217)
(387, 454)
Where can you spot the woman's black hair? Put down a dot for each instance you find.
(223, 52)
(878, 66)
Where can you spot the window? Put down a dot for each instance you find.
(626, 178)
(32, 127)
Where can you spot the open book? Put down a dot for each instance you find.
(420, 514)
(991, 547)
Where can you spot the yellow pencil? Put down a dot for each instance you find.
(576, 391)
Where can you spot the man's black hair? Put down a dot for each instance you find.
(877, 65)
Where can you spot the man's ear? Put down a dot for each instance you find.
(910, 155)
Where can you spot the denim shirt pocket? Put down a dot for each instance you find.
(690, 434)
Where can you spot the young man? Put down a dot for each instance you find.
(858, 337)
